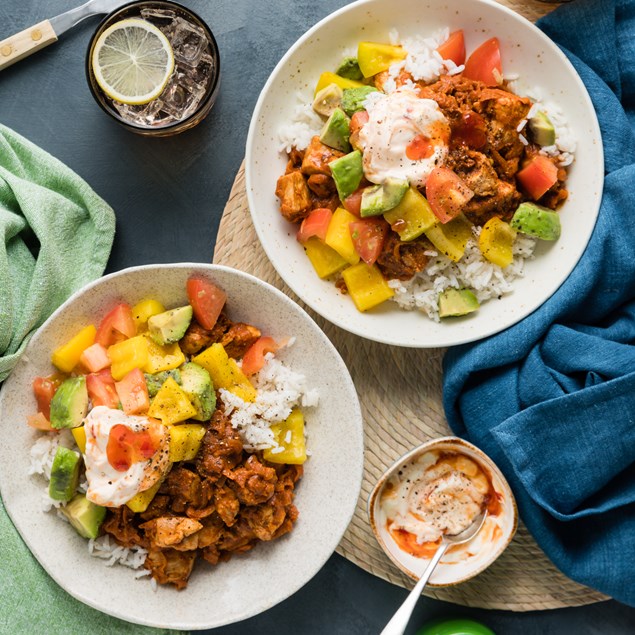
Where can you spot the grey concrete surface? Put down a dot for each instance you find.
(169, 195)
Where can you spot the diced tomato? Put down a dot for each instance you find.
(538, 176)
(368, 237)
(358, 120)
(446, 193)
(254, 358)
(315, 224)
(133, 392)
(39, 422)
(101, 389)
(207, 301)
(44, 388)
(471, 130)
(485, 63)
(118, 325)
(127, 446)
(95, 358)
(419, 148)
(353, 202)
(454, 48)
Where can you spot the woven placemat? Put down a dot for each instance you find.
(400, 393)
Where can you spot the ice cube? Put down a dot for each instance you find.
(182, 96)
(156, 15)
(188, 42)
(150, 114)
(203, 71)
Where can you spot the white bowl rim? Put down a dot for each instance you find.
(390, 338)
(183, 624)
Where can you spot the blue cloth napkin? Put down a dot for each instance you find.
(552, 399)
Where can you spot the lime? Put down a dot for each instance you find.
(454, 627)
(132, 61)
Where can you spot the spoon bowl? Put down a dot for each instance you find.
(399, 621)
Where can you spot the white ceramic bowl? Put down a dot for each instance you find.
(249, 583)
(526, 51)
(462, 562)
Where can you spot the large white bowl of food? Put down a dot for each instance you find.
(192, 429)
(424, 173)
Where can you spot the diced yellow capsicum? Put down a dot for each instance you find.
(450, 239)
(295, 448)
(171, 404)
(374, 58)
(412, 216)
(331, 78)
(128, 355)
(143, 311)
(140, 502)
(366, 285)
(79, 434)
(338, 235)
(225, 372)
(185, 441)
(67, 356)
(162, 358)
(496, 242)
(325, 260)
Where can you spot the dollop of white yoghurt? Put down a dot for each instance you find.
(107, 486)
(394, 121)
(430, 497)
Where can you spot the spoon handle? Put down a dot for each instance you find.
(399, 621)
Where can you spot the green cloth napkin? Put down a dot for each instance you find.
(57, 237)
(57, 234)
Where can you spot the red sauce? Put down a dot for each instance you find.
(419, 148)
(408, 542)
(471, 130)
(125, 447)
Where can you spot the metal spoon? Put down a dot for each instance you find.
(399, 621)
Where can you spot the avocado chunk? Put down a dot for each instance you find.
(70, 403)
(156, 380)
(347, 173)
(455, 302)
(327, 100)
(353, 99)
(86, 517)
(537, 221)
(349, 68)
(378, 199)
(336, 131)
(170, 326)
(197, 385)
(64, 474)
(542, 130)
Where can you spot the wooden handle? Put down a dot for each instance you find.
(29, 41)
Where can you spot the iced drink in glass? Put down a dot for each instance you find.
(191, 90)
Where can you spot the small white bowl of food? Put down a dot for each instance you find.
(189, 421)
(438, 489)
(424, 174)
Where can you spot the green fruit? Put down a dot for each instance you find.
(455, 627)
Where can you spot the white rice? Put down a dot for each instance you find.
(565, 145)
(112, 553)
(473, 271)
(305, 124)
(280, 389)
(485, 279)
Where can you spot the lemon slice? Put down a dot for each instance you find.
(132, 61)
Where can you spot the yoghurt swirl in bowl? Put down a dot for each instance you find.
(439, 489)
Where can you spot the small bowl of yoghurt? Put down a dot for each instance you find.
(438, 489)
